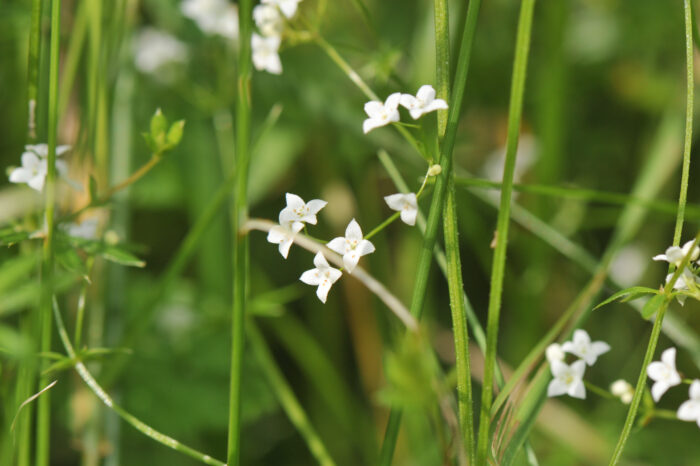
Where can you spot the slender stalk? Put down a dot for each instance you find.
(33, 68)
(47, 272)
(522, 47)
(240, 243)
(80, 314)
(437, 204)
(656, 330)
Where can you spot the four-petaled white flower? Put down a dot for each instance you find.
(567, 379)
(213, 17)
(381, 114)
(683, 283)
(287, 7)
(283, 234)
(582, 347)
(423, 102)
(268, 20)
(407, 204)
(663, 373)
(674, 255)
(352, 246)
(265, 53)
(554, 352)
(690, 410)
(299, 212)
(622, 390)
(35, 166)
(322, 276)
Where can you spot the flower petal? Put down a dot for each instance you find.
(558, 368)
(294, 201)
(37, 182)
(311, 277)
(285, 246)
(320, 261)
(371, 123)
(689, 411)
(30, 160)
(556, 387)
(437, 104)
(577, 390)
(323, 289)
(392, 102)
(395, 201)
(20, 175)
(599, 347)
(350, 260)
(578, 368)
(408, 216)
(695, 390)
(353, 231)
(337, 245)
(277, 234)
(315, 205)
(669, 357)
(658, 389)
(373, 108)
(365, 247)
(426, 93)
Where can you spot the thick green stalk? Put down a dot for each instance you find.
(522, 47)
(437, 204)
(656, 330)
(47, 272)
(240, 242)
(450, 230)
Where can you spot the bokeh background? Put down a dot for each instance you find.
(605, 97)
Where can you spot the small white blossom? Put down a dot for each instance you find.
(407, 204)
(554, 352)
(567, 379)
(35, 166)
(322, 276)
(663, 373)
(287, 7)
(674, 255)
(154, 49)
(268, 20)
(424, 102)
(381, 114)
(683, 283)
(87, 229)
(582, 347)
(623, 390)
(265, 53)
(299, 212)
(213, 17)
(352, 246)
(690, 410)
(283, 234)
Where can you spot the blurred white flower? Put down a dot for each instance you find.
(153, 49)
(690, 410)
(265, 53)
(287, 7)
(629, 265)
(525, 159)
(322, 276)
(663, 373)
(352, 246)
(424, 102)
(567, 379)
(674, 255)
(381, 114)
(283, 234)
(622, 390)
(554, 352)
(407, 204)
(35, 166)
(87, 229)
(299, 212)
(268, 20)
(684, 282)
(213, 17)
(582, 347)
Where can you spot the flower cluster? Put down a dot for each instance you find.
(687, 282)
(269, 18)
(665, 376)
(213, 17)
(382, 113)
(568, 378)
(35, 166)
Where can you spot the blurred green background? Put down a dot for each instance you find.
(605, 94)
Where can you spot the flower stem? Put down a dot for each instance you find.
(33, 68)
(656, 330)
(522, 47)
(240, 243)
(47, 273)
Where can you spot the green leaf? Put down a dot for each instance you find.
(159, 125)
(120, 256)
(10, 236)
(653, 305)
(628, 294)
(70, 260)
(175, 133)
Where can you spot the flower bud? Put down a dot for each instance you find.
(435, 170)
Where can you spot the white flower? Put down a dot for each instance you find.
(582, 347)
(683, 283)
(381, 114)
(299, 212)
(623, 390)
(87, 229)
(690, 410)
(674, 255)
(554, 352)
(323, 275)
(423, 102)
(35, 166)
(567, 379)
(42, 150)
(265, 53)
(407, 204)
(154, 49)
(283, 234)
(288, 7)
(213, 17)
(352, 246)
(268, 20)
(663, 373)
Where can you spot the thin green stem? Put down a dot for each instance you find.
(33, 68)
(80, 314)
(47, 272)
(437, 204)
(522, 48)
(599, 391)
(240, 243)
(656, 330)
